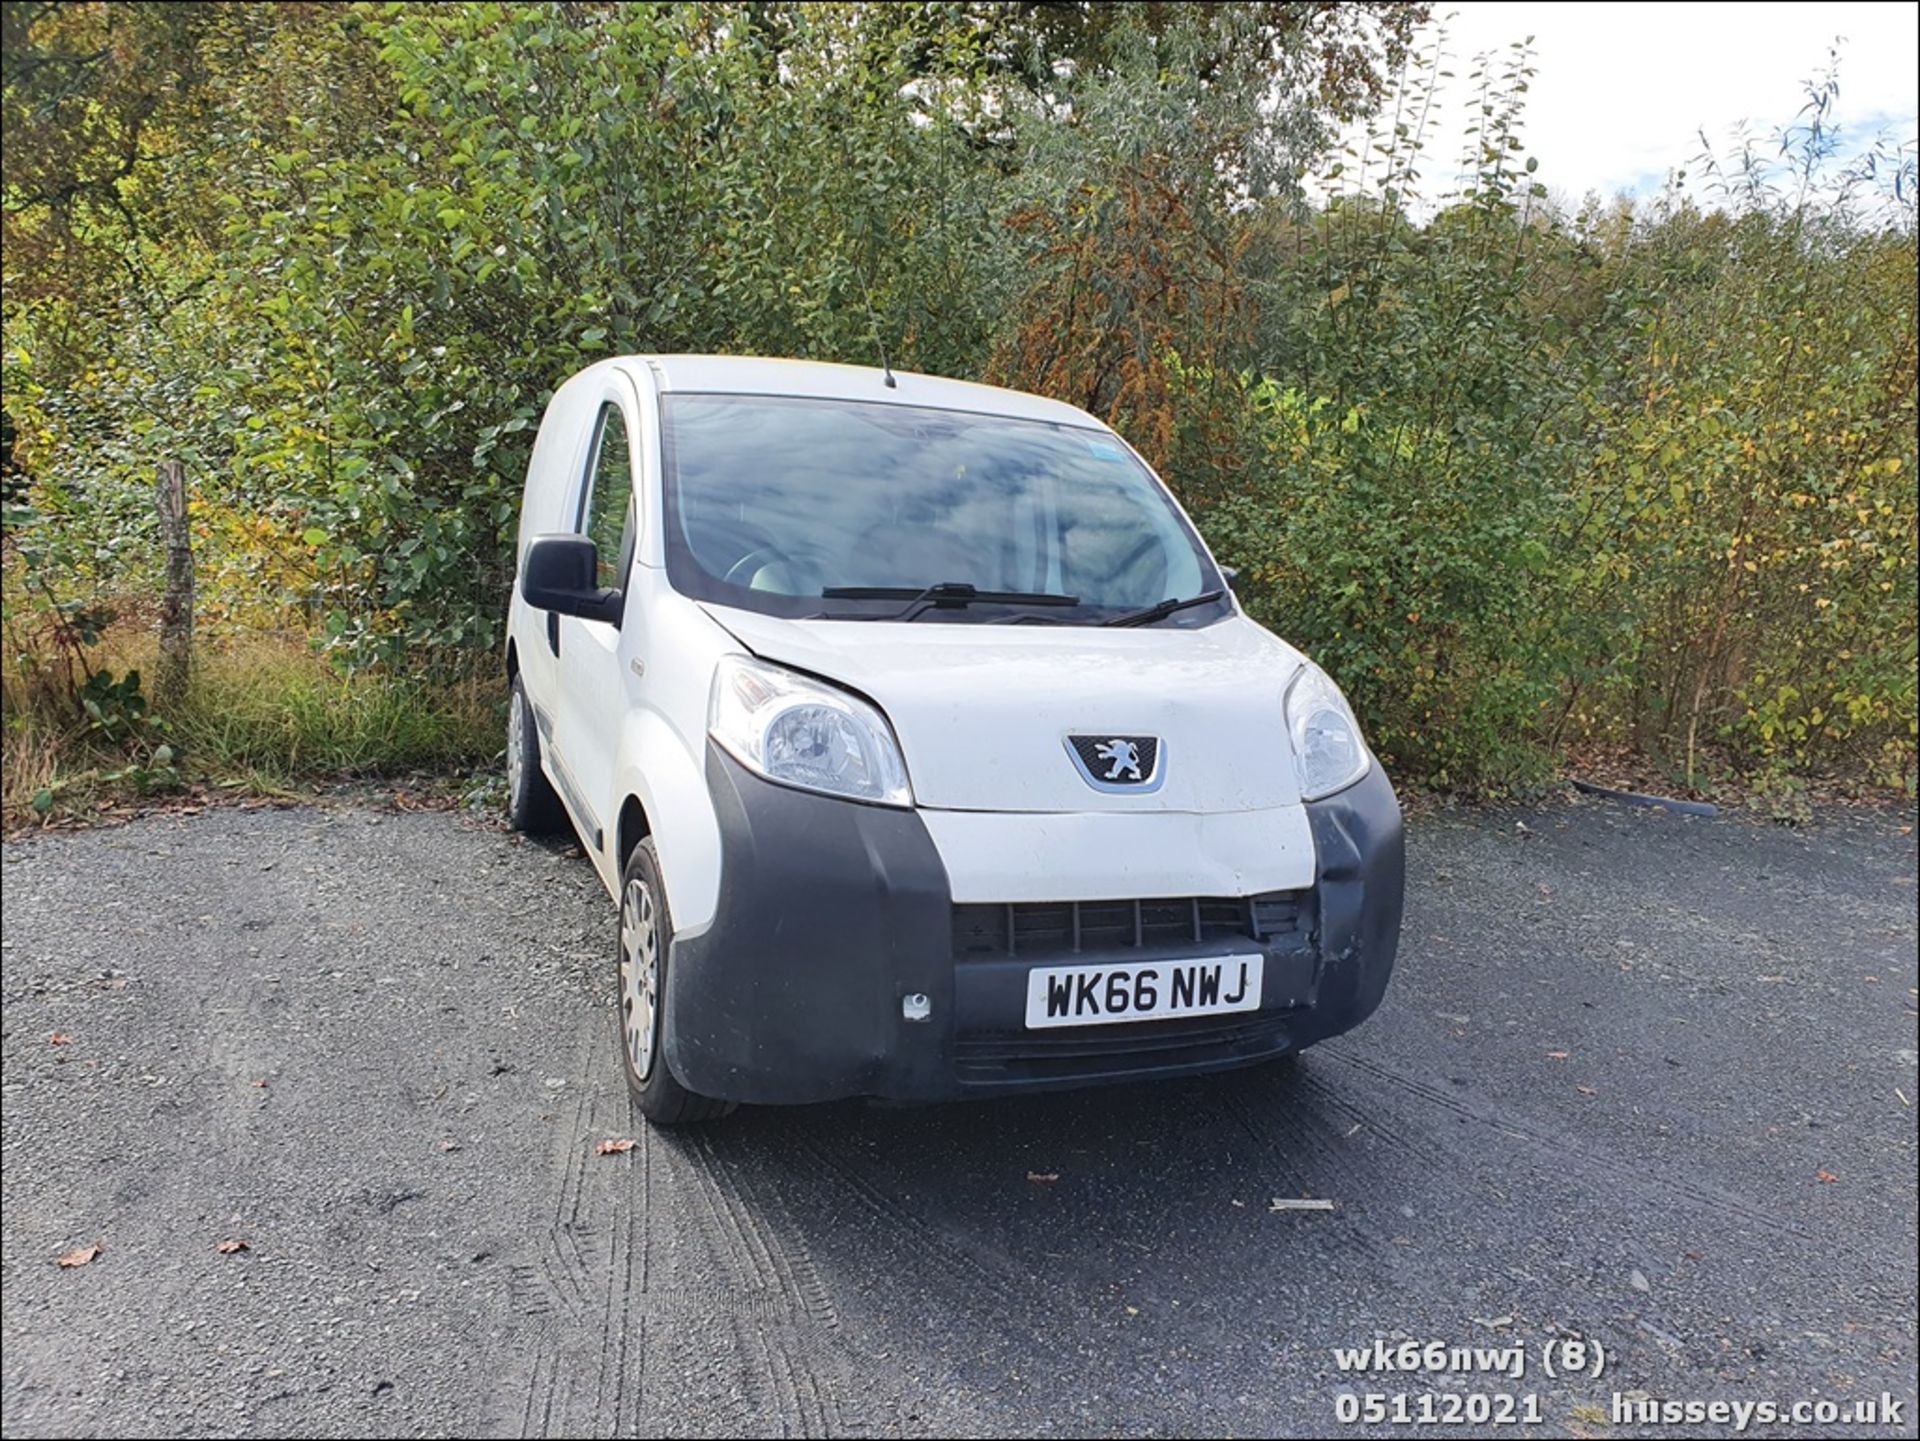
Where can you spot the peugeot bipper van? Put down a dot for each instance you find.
(923, 746)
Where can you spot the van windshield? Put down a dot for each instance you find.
(780, 505)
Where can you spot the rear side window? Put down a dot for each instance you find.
(608, 517)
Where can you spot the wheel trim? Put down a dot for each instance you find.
(516, 740)
(639, 976)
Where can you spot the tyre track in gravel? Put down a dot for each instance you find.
(775, 1361)
(550, 1291)
(976, 1278)
(661, 1258)
(1297, 1152)
(1490, 1117)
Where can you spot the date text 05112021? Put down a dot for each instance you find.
(1485, 1410)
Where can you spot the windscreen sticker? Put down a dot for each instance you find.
(1105, 450)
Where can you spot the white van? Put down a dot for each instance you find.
(924, 746)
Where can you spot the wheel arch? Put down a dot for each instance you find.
(666, 800)
(633, 827)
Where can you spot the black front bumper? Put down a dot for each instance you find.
(832, 913)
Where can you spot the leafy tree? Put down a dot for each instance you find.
(1523, 475)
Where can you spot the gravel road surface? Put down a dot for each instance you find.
(1641, 1079)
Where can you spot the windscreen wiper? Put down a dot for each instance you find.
(1164, 609)
(944, 594)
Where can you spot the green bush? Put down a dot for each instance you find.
(1520, 477)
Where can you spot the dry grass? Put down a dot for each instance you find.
(29, 764)
(261, 713)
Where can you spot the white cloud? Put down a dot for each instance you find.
(1623, 90)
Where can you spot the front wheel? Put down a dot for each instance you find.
(646, 941)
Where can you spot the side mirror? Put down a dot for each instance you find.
(559, 574)
(1232, 577)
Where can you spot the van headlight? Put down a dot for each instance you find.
(802, 732)
(1328, 752)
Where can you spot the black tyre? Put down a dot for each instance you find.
(646, 944)
(531, 804)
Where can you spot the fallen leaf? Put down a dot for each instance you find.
(449, 1145)
(1043, 1178)
(1133, 1310)
(80, 1255)
(1556, 1055)
(613, 1147)
(228, 1248)
(59, 1038)
(1586, 1090)
(1241, 1204)
(1299, 1203)
(261, 1084)
(1827, 1176)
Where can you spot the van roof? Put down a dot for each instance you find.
(758, 375)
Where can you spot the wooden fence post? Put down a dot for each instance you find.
(176, 606)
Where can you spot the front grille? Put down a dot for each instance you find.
(1038, 929)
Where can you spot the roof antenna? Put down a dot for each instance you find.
(874, 321)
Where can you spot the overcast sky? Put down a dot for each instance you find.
(1624, 89)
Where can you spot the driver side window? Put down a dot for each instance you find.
(607, 509)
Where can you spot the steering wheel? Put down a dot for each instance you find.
(1133, 556)
(743, 570)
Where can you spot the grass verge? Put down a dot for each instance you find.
(260, 715)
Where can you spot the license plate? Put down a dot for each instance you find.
(1150, 991)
